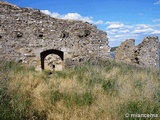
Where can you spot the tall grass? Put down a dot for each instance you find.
(106, 91)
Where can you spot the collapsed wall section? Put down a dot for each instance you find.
(125, 50)
(145, 54)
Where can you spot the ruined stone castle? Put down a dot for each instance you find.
(34, 38)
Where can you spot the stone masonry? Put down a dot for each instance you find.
(125, 50)
(145, 54)
(36, 39)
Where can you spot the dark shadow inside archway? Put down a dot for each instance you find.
(47, 52)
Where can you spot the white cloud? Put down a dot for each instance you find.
(72, 16)
(144, 31)
(142, 26)
(113, 22)
(76, 16)
(156, 20)
(158, 2)
(46, 12)
(56, 15)
(112, 31)
(99, 22)
(124, 31)
(120, 31)
(156, 32)
(115, 26)
(118, 25)
(53, 14)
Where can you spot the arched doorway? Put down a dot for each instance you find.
(52, 59)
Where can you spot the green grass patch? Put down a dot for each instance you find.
(56, 96)
(138, 84)
(110, 86)
(138, 107)
(107, 79)
(83, 99)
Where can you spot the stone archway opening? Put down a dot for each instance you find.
(52, 60)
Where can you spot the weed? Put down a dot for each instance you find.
(138, 107)
(157, 97)
(80, 72)
(55, 96)
(94, 79)
(83, 99)
(138, 84)
(39, 115)
(12, 108)
(47, 72)
(45, 75)
(61, 74)
(90, 87)
(108, 65)
(110, 86)
(32, 69)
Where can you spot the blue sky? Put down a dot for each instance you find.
(121, 19)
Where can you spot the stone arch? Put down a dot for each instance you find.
(50, 52)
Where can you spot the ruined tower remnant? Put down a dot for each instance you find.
(145, 54)
(34, 38)
(124, 51)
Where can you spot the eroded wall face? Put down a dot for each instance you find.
(125, 51)
(145, 54)
(25, 33)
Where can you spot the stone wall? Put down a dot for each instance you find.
(125, 50)
(25, 33)
(145, 54)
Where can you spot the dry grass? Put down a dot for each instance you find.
(91, 92)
